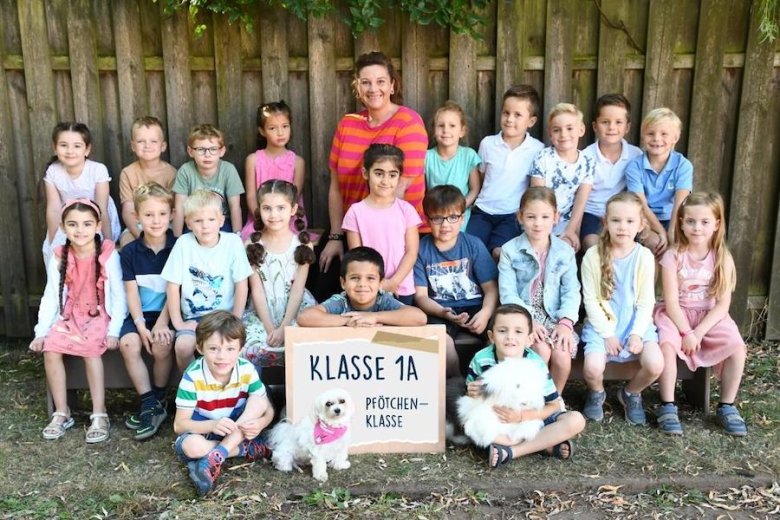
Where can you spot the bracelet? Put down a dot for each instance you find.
(141, 319)
(566, 322)
(336, 236)
(686, 333)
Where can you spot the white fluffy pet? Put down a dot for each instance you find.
(321, 438)
(513, 383)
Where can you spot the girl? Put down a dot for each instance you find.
(280, 260)
(71, 175)
(272, 160)
(81, 314)
(537, 270)
(385, 222)
(693, 321)
(450, 163)
(617, 289)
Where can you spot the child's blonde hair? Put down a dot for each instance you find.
(151, 190)
(202, 199)
(605, 243)
(720, 282)
(542, 193)
(148, 122)
(565, 108)
(657, 115)
(451, 106)
(205, 131)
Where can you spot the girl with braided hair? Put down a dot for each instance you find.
(81, 314)
(280, 262)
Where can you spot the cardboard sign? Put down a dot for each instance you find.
(395, 376)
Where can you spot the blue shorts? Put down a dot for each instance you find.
(591, 225)
(128, 326)
(188, 332)
(493, 230)
(407, 299)
(554, 417)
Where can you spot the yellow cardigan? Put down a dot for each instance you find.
(599, 310)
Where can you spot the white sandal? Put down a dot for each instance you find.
(98, 429)
(58, 425)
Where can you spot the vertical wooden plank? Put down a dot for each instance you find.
(178, 82)
(275, 59)
(13, 281)
(82, 48)
(752, 159)
(708, 119)
(613, 47)
(133, 99)
(227, 62)
(463, 74)
(415, 66)
(368, 41)
(664, 25)
(557, 56)
(322, 95)
(510, 35)
(773, 312)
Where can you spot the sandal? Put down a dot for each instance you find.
(98, 429)
(557, 451)
(503, 453)
(58, 425)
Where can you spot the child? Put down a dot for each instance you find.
(661, 177)
(449, 162)
(510, 334)
(221, 404)
(207, 270)
(280, 261)
(693, 321)
(148, 143)
(506, 163)
(454, 276)
(617, 288)
(385, 222)
(272, 160)
(147, 325)
(81, 314)
(611, 154)
(363, 303)
(71, 175)
(206, 146)
(564, 169)
(538, 271)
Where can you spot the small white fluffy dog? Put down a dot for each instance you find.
(513, 383)
(321, 438)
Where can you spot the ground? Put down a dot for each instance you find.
(617, 471)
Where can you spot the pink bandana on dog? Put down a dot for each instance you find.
(326, 434)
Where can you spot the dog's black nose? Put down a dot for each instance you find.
(337, 411)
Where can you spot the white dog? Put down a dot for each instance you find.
(513, 383)
(320, 439)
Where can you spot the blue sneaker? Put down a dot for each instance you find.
(594, 406)
(632, 404)
(205, 471)
(728, 417)
(668, 420)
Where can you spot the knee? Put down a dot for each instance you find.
(592, 369)
(161, 350)
(184, 346)
(543, 349)
(575, 422)
(589, 241)
(129, 346)
(561, 358)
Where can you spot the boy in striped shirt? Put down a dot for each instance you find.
(221, 404)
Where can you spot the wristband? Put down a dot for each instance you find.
(686, 333)
(566, 322)
(336, 236)
(141, 319)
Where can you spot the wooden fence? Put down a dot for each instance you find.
(106, 63)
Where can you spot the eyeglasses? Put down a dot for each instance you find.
(449, 218)
(214, 150)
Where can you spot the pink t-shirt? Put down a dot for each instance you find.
(384, 229)
(694, 278)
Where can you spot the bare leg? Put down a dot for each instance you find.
(668, 378)
(97, 388)
(589, 241)
(185, 351)
(163, 361)
(651, 362)
(130, 347)
(453, 361)
(197, 446)
(568, 425)
(732, 376)
(560, 367)
(593, 370)
(55, 378)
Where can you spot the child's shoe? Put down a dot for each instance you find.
(205, 471)
(668, 420)
(728, 417)
(256, 449)
(594, 406)
(632, 404)
(150, 421)
(133, 421)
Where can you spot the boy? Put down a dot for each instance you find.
(564, 169)
(611, 154)
(661, 177)
(147, 325)
(221, 404)
(206, 146)
(506, 163)
(147, 140)
(454, 277)
(206, 271)
(510, 334)
(361, 304)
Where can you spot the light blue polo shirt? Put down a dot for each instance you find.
(659, 188)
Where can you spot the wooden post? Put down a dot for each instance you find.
(273, 49)
(773, 313)
(663, 28)
(178, 82)
(612, 49)
(557, 58)
(510, 35)
(463, 75)
(414, 64)
(227, 64)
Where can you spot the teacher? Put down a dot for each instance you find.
(385, 120)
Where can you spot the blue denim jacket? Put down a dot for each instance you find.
(519, 266)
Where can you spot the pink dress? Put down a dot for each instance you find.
(267, 168)
(77, 333)
(694, 278)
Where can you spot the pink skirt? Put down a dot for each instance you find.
(720, 343)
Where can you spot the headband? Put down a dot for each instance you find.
(84, 201)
